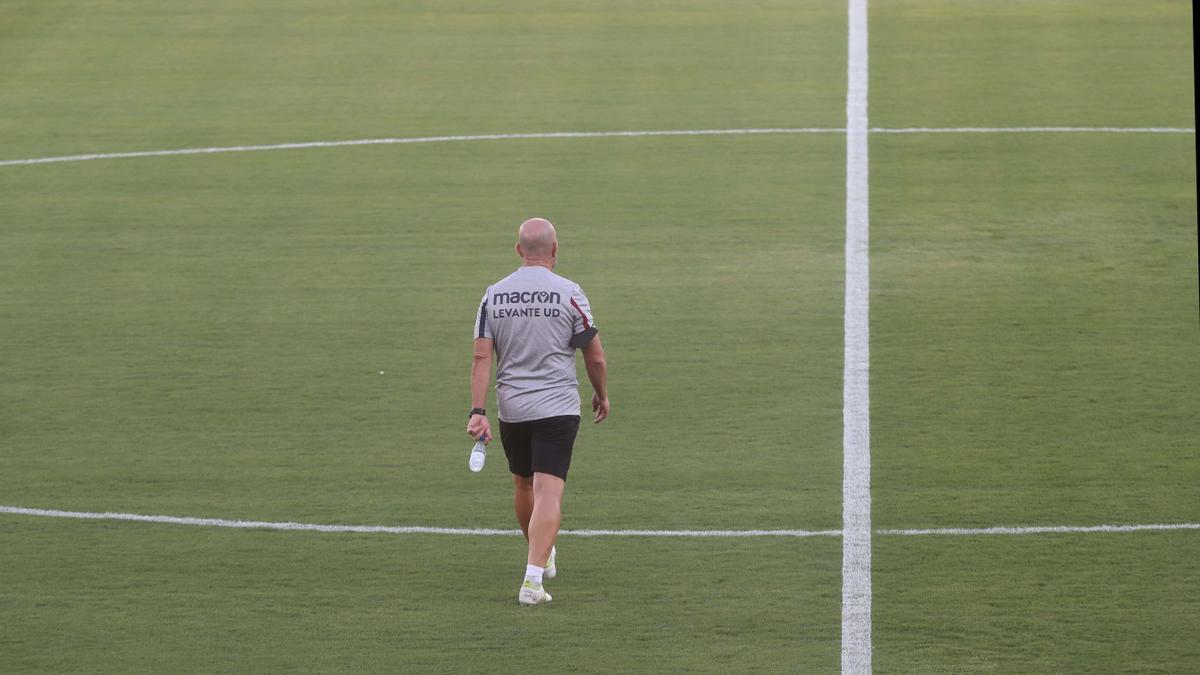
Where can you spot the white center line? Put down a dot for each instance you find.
(856, 414)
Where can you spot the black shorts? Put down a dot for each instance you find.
(542, 446)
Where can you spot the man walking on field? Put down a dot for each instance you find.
(534, 320)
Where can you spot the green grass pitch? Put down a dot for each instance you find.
(284, 335)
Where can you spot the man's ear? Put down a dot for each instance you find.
(554, 250)
(518, 247)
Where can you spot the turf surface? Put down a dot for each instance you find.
(284, 335)
(162, 599)
(1034, 336)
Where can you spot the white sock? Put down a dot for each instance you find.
(534, 573)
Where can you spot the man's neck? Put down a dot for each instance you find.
(538, 262)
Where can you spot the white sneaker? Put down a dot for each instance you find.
(551, 570)
(532, 594)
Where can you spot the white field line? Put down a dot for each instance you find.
(384, 529)
(576, 134)
(1042, 529)
(1035, 130)
(416, 139)
(856, 413)
(491, 532)
(252, 524)
(702, 533)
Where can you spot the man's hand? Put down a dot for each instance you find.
(600, 407)
(479, 426)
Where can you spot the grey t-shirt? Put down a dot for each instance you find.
(537, 319)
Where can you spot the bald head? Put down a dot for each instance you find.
(536, 240)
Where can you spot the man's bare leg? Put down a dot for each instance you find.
(546, 517)
(523, 502)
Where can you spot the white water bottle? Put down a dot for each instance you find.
(478, 455)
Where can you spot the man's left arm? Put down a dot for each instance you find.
(585, 338)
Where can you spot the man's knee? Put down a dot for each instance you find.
(523, 482)
(548, 485)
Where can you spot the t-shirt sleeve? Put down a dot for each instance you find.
(482, 329)
(584, 328)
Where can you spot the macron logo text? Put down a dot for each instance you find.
(525, 297)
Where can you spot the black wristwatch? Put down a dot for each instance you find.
(477, 411)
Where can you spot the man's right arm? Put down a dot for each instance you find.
(597, 370)
(481, 372)
(481, 377)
